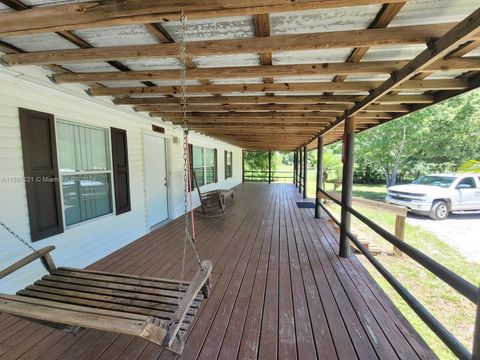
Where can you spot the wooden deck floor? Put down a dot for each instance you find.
(279, 291)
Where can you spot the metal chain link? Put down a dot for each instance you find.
(186, 179)
(22, 240)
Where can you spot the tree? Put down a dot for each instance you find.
(470, 166)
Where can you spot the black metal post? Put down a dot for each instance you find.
(269, 167)
(476, 333)
(300, 181)
(347, 184)
(319, 175)
(243, 166)
(295, 168)
(305, 163)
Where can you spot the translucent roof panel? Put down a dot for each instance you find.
(4, 7)
(396, 52)
(227, 60)
(40, 3)
(153, 64)
(118, 36)
(213, 29)
(90, 67)
(310, 56)
(39, 42)
(475, 52)
(417, 12)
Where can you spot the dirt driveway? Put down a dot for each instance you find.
(461, 231)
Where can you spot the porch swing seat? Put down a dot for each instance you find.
(72, 299)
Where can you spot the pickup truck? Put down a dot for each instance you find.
(438, 195)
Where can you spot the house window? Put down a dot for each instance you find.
(228, 164)
(210, 166)
(204, 164)
(85, 171)
(198, 164)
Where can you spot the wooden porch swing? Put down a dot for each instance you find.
(159, 310)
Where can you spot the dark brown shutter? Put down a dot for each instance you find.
(41, 173)
(120, 170)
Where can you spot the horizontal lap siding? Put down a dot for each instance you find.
(87, 242)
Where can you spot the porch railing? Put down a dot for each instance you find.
(464, 287)
(262, 176)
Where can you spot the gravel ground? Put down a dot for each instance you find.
(461, 231)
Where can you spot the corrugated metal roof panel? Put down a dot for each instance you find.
(397, 52)
(117, 36)
(153, 64)
(323, 20)
(309, 78)
(227, 60)
(238, 81)
(445, 75)
(90, 67)
(40, 3)
(116, 84)
(176, 82)
(417, 12)
(373, 77)
(213, 29)
(310, 56)
(40, 42)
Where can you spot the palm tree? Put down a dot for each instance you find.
(332, 168)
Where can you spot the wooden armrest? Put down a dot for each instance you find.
(42, 253)
(201, 277)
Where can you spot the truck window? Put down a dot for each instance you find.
(468, 181)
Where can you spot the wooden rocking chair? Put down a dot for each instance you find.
(212, 202)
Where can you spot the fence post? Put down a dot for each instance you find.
(270, 167)
(319, 175)
(399, 232)
(305, 170)
(347, 184)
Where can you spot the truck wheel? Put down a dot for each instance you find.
(439, 210)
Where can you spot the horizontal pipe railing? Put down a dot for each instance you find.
(464, 287)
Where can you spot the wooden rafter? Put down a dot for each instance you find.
(291, 99)
(104, 13)
(412, 85)
(239, 72)
(262, 29)
(418, 34)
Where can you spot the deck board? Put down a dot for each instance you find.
(279, 291)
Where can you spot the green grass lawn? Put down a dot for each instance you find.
(455, 312)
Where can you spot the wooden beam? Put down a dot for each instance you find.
(245, 72)
(268, 107)
(461, 33)
(418, 34)
(264, 115)
(104, 13)
(299, 99)
(262, 29)
(350, 86)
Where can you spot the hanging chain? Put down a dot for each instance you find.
(23, 241)
(186, 179)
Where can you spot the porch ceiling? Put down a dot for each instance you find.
(264, 74)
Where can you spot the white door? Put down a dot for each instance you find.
(155, 179)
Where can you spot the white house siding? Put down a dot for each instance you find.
(84, 243)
